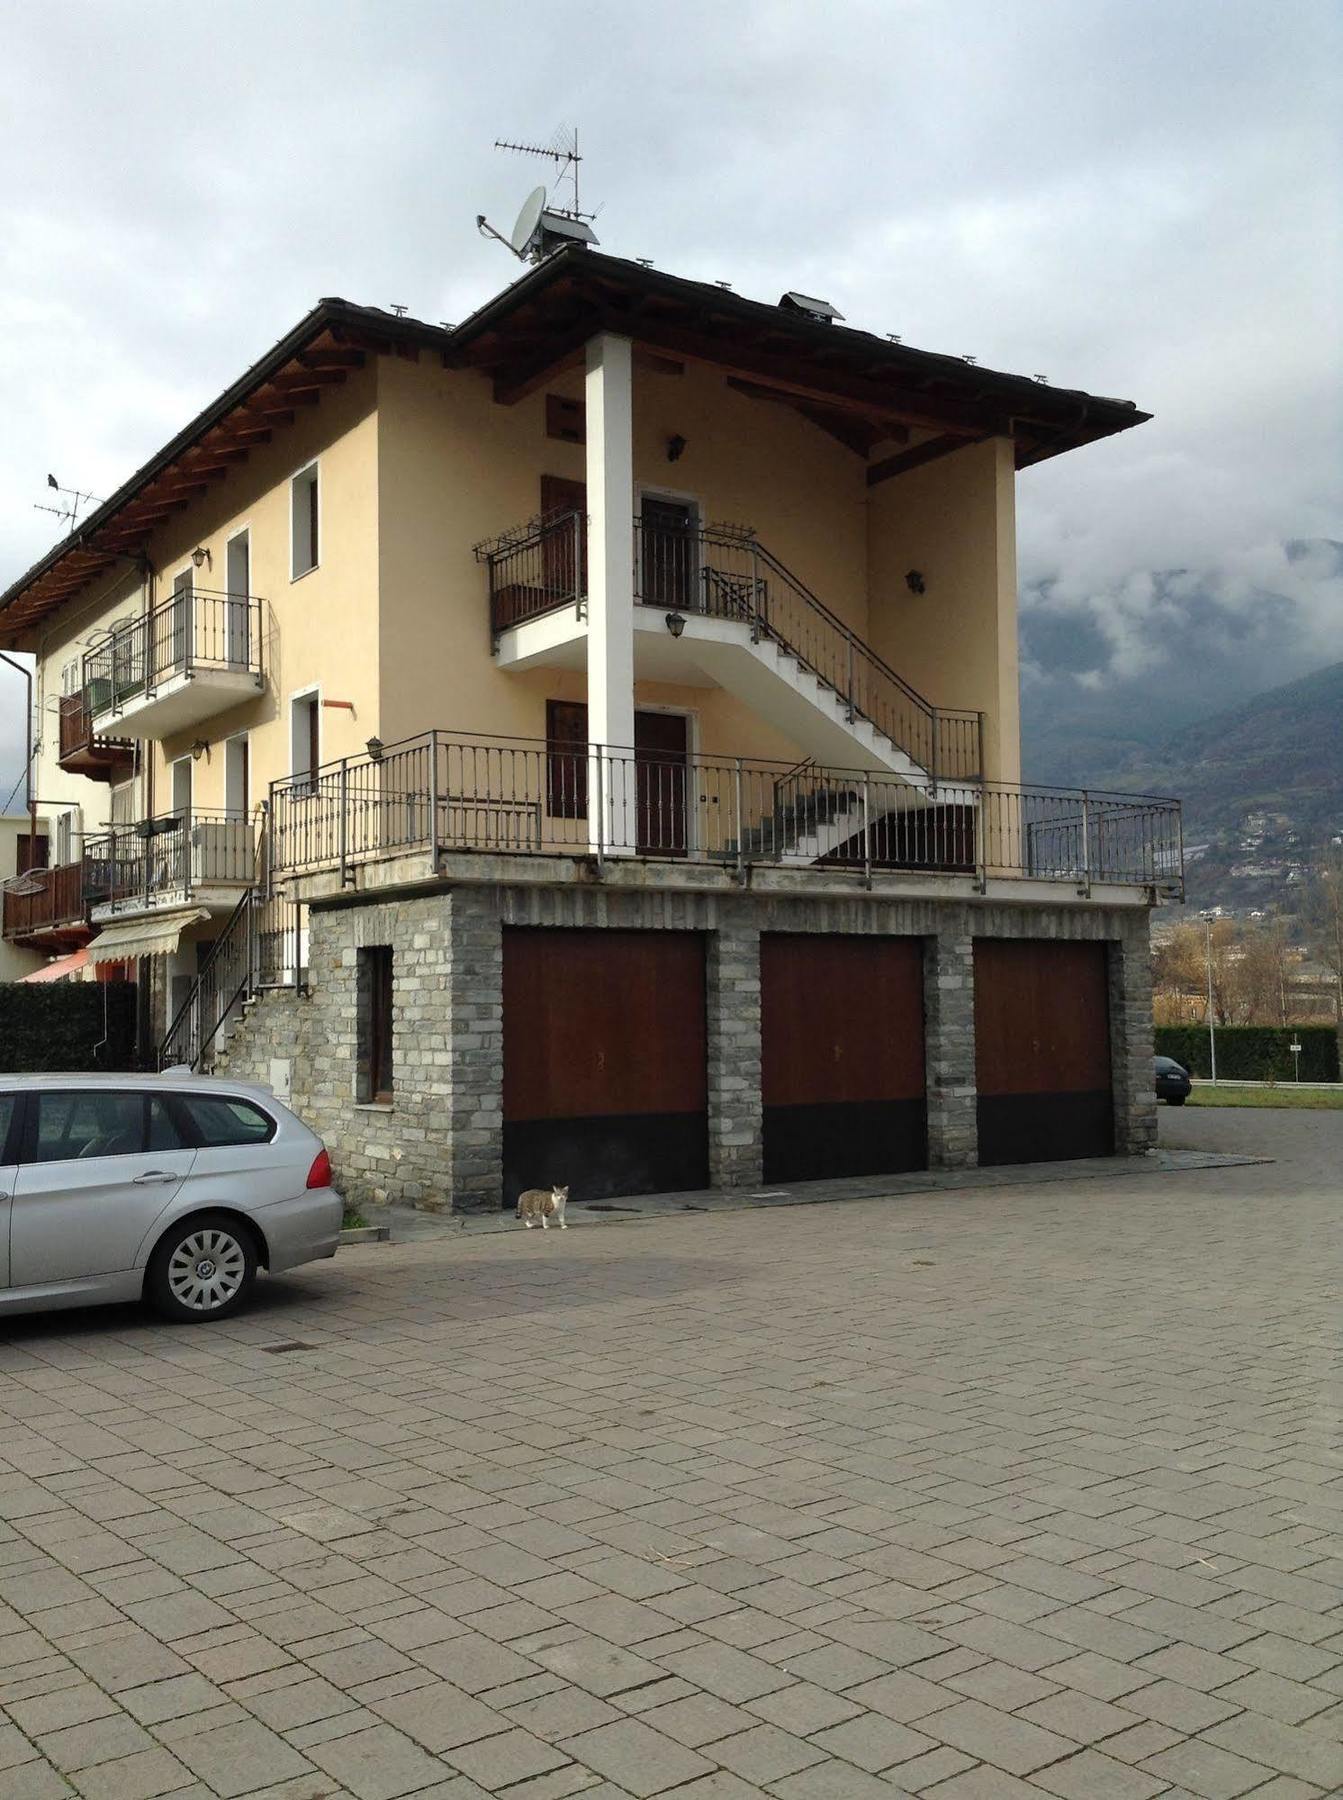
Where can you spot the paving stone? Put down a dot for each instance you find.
(234, 1759)
(727, 1672)
(999, 1738)
(700, 1719)
(1291, 1702)
(98, 1741)
(505, 1758)
(636, 1757)
(872, 1742)
(1207, 1770)
(1183, 1709)
(144, 1776)
(1288, 1749)
(835, 1780)
(765, 1753)
(997, 1684)
(1098, 1676)
(902, 1696)
(1095, 1776)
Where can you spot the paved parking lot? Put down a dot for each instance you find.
(1030, 1490)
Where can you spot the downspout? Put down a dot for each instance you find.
(28, 747)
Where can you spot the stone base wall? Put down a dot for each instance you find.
(438, 1145)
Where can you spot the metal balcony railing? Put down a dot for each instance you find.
(174, 855)
(536, 568)
(259, 947)
(192, 631)
(443, 793)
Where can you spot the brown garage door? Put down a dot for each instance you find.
(1042, 1051)
(842, 1042)
(604, 1062)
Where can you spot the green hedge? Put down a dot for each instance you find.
(1253, 1052)
(58, 1025)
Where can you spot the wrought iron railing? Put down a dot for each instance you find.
(192, 631)
(444, 793)
(725, 572)
(43, 899)
(172, 855)
(536, 569)
(261, 946)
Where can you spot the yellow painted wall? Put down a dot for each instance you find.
(956, 643)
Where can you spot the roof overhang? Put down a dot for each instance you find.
(865, 390)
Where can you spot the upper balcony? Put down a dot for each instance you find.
(196, 654)
(714, 606)
(84, 751)
(196, 856)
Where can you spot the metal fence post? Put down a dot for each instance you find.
(433, 801)
(981, 771)
(599, 760)
(739, 821)
(342, 794)
(867, 832)
(1086, 842)
(935, 764)
(849, 636)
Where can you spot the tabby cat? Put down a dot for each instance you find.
(544, 1204)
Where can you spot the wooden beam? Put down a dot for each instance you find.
(521, 379)
(915, 458)
(334, 358)
(828, 418)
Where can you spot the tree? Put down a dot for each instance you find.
(1322, 913)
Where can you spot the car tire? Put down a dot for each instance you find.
(202, 1268)
(1176, 1099)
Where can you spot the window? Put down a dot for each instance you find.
(9, 1107)
(70, 677)
(303, 538)
(65, 838)
(566, 419)
(68, 1125)
(566, 759)
(32, 852)
(122, 804)
(305, 746)
(163, 1133)
(374, 994)
(236, 778)
(221, 1121)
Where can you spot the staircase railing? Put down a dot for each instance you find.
(260, 947)
(725, 572)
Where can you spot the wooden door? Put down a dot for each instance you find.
(668, 553)
(1042, 1050)
(842, 1040)
(564, 564)
(660, 758)
(605, 1084)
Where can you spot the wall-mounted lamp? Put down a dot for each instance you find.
(201, 555)
(675, 447)
(675, 623)
(915, 583)
(375, 749)
(199, 749)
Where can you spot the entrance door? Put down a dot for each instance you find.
(842, 1075)
(660, 756)
(669, 556)
(564, 564)
(605, 1084)
(1042, 1051)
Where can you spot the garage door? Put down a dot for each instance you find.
(842, 1044)
(604, 1062)
(1042, 1051)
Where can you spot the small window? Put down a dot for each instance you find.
(303, 522)
(70, 677)
(375, 1024)
(71, 1126)
(222, 1120)
(566, 419)
(121, 805)
(8, 1108)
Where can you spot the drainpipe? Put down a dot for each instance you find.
(27, 675)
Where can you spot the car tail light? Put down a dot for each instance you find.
(319, 1175)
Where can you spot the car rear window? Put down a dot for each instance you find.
(225, 1119)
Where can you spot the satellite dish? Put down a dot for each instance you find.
(528, 219)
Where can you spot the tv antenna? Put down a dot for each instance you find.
(542, 227)
(71, 500)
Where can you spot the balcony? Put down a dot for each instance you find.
(195, 857)
(84, 751)
(195, 655)
(714, 606)
(48, 909)
(442, 797)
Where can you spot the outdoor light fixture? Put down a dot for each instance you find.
(915, 583)
(374, 746)
(675, 623)
(200, 556)
(198, 749)
(675, 447)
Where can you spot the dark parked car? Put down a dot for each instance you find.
(1172, 1081)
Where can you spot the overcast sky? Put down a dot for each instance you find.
(1139, 197)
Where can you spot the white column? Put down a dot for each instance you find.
(610, 478)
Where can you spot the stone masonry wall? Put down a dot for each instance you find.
(439, 1144)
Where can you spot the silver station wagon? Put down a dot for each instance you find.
(169, 1188)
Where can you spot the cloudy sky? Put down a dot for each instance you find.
(1140, 197)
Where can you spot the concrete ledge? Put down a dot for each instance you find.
(366, 1234)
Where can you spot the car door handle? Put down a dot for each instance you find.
(153, 1175)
